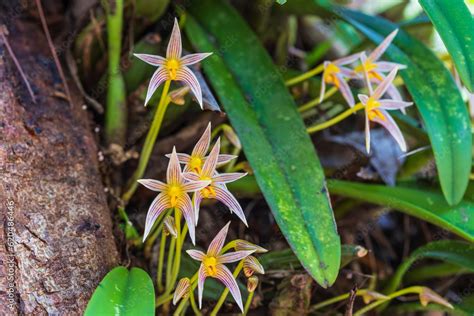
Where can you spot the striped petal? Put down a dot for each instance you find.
(196, 254)
(217, 243)
(379, 50)
(389, 104)
(159, 204)
(174, 46)
(185, 75)
(224, 158)
(183, 158)
(159, 76)
(223, 195)
(363, 98)
(193, 58)
(202, 146)
(186, 207)
(197, 198)
(234, 256)
(383, 86)
(347, 60)
(386, 66)
(153, 185)
(194, 186)
(363, 60)
(346, 91)
(367, 132)
(191, 176)
(225, 276)
(202, 275)
(228, 177)
(211, 161)
(173, 173)
(153, 60)
(393, 129)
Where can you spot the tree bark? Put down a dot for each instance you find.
(56, 241)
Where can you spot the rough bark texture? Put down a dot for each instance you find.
(53, 203)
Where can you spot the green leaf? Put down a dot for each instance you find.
(452, 251)
(424, 204)
(122, 293)
(273, 135)
(455, 25)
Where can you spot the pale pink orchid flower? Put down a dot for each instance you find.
(195, 161)
(174, 66)
(376, 110)
(216, 188)
(173, 194)
(212, 265)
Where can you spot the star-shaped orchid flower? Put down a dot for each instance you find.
(335, 74)
(174, 66)
(376, 110)
(195, 161)
(173, 194)
(212, 265)
(216, 189)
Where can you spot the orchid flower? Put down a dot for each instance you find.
(376, 110)
(216, 189)
(335, 74)
(173, 66)
(173, 194)
(195, 161)
(212, 265)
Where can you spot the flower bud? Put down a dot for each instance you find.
(427, 296)
(231, 136)
(244, 245)
(370, 296)
(183, 289)
(177, 96)
(170, 226)
(252, 283)
(252, 265)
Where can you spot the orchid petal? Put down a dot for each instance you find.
(346, 91)
(194, 186)
(234, 256)
(217, 243)
(159, 76)
(223, 195)
(159, 204)
(383, 86)
(153, 185)
(201, 147)
(363, 59)
(323, 90)
(186, 207)
(183, 158)
(346, 72)
(202, 275)
(153, 60)
(173, 174)
(389, 104)
(196, 254)
(197, 198)
(191, 176)
(211, 160)
(367, 131)
(174, 48)
(228, 177)
(185, 75)
(193, 58)
(379, 50)
(347, 60)
(393, 129)
(224, 158)
(386, 66)
(363, 98)
(225, 276)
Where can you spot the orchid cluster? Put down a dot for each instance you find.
(200, 177)
(372, 71)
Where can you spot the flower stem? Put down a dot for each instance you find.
(169, 265)
(317, 70)
(315, 102)
(177, 257)
(335, 120)
(159, 272)
(163, 299)
(226, 290)
(196, 310)
(335, 299)
(149, 142)
(248, 302)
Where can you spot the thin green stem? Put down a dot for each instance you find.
(177, 259)
(305, 107)
(149, 142)
(335, 120)
(226, 291)
(161, 258)
(196, 310)
(335, 299)
(313, 72)
(228, 246)
(248, 302)
(163, 299)
(169, 265)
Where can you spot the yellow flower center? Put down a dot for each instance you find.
(174, 192)
(208, 192)
(370, 67)
(329, 75)
(172, 65)
(210, 264)
(195, 164)
(372, 111)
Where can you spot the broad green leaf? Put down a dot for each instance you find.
(123, 292)
(455, 25)
(432, 87)
(273, 135)
(424, 204)
(452, 251)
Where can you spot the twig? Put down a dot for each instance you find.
(3, 32)
(350, 301)
(53, 50)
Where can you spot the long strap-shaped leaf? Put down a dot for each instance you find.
(455, 25)
(272, 133)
